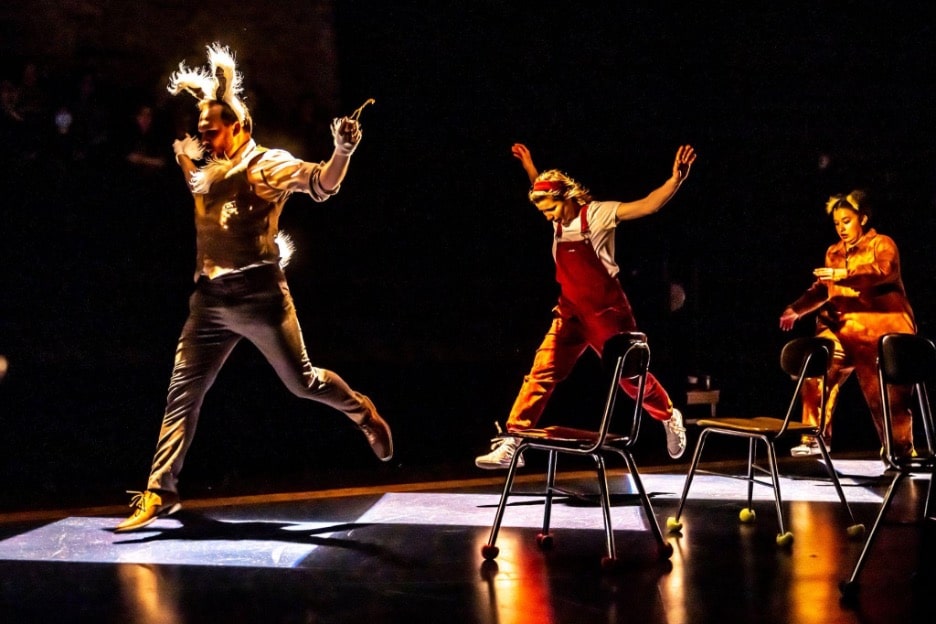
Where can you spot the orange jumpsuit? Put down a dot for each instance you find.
(854, 312)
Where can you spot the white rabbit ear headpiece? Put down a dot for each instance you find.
(221, 82)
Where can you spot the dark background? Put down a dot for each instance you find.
(427, 281)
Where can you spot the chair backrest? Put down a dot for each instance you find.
(802, 359)
(622, 346)
(625, 355)
(806, 357)
(907, 360)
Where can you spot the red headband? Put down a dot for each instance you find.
(548, 185)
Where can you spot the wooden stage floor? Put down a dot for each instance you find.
(411, 553)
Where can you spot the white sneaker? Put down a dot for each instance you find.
(675, 435)
(806, 449)
(502, 451)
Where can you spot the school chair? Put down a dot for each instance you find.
(626, 355)
(802, 359)
(903, 360)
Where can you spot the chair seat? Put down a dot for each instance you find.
(758, 424)
(569, 435)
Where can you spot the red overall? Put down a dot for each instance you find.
(592, 308)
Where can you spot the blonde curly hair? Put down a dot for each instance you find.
(556, 184)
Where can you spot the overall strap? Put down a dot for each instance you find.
(583, 219)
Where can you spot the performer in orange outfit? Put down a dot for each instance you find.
(592, 306)
(859, 296)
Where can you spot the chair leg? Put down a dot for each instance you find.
(850, 586)
(605, 504)
(544, 539)
(838, 485)
(696, 456)
(750, 471)
(931, 494)
(747, 514)
(664, 548)
(489, 551)
(784, 538)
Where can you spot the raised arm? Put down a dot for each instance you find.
(347, 134)
(520, 152)
(658, 197)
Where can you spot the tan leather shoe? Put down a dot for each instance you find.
(148, 506)
(377, 431)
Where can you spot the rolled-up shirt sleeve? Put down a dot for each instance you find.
(812, 299)
(283, 174)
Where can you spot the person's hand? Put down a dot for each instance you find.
(347, 134)
(685, 156)
(787, 319)
(522, 153)
(188, 146)
(826, 274)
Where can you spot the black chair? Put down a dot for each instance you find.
(625, 355)
(903, 360)
(802, 359)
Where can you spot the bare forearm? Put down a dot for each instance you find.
(333, 172)
(650, 204)
(657, 198)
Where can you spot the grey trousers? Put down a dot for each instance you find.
(254, 304)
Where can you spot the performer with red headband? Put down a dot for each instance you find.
(240, 290)
(858, 296)
(592, 305)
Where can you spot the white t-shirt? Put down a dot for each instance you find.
(602, 221)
